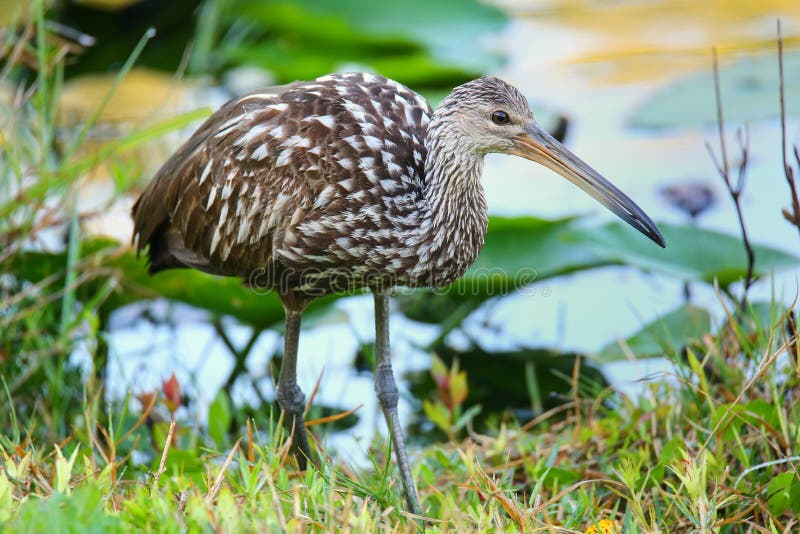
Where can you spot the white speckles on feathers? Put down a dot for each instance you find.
(394, 169)
(346, 163)
(373, 142)
(214, 241)
(284, 157)
(353, 141)
(206, 171)
(260, 153)
(296, 141)
(326, 178)
(211, 197)
(327, 120)
(390, 186)
(226, 189)
(252, 134)
(356, 110)
(324, 197)
(276, 132)
(228, 126)
(372, 175)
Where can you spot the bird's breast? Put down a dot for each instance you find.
(394, 240)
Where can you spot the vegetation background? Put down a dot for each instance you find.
(98, 434)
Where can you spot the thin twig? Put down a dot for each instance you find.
(735, 191)
(314, 392)
(212, 494)
(744, 146)
(792, 216)
(723, 170)
(140, 421)
(332, 418)
(762, 465)
(162, 465)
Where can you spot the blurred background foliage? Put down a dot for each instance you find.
(93, 101)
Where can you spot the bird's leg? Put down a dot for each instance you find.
(290, 397)
(387, 392)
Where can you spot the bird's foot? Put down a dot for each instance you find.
(293, 402)
(388, 395)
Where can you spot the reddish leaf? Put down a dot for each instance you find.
(172, 393)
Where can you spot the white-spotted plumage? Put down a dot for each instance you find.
(349, 177)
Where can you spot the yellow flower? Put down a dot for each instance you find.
(606, 526)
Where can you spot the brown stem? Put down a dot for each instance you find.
(735, 191)
(744, 146)
(794, 216)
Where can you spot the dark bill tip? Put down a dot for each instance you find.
(539, 146)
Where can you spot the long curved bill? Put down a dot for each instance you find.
(539, 146)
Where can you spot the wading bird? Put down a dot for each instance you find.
(347, 181)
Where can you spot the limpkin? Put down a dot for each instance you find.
(343, 182)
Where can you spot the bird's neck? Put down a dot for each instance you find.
(456, 216)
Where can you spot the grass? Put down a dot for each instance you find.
(714, 447)
(694, 453)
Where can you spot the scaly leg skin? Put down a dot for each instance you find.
(386, 389)
(290, 396)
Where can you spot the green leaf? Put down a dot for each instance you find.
(438, 370)
(219, 419)
(756, 414)
(691, 254)
(466, 417)
(82, 511)
(438, 414)
(670, 454)
(518, 252)
(764, 412)
(185, 461)
(522, 250)
(749, 92)
(6, 498)
(458, 388)
(559, 477)
(415, 42)
(665, 335)
(64, 470)
(783, 492)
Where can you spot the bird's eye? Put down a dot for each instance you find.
(500, 117)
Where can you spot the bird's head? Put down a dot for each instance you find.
(489, 115)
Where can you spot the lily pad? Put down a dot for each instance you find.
(691, 254)
(418, 43)
(524, 250)
(749, 93)
(528, 249)
(519, 251)
(664, 336)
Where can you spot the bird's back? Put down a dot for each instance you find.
(310, 177)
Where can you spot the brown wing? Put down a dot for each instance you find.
(227, 199)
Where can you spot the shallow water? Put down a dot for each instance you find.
(595, 64)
